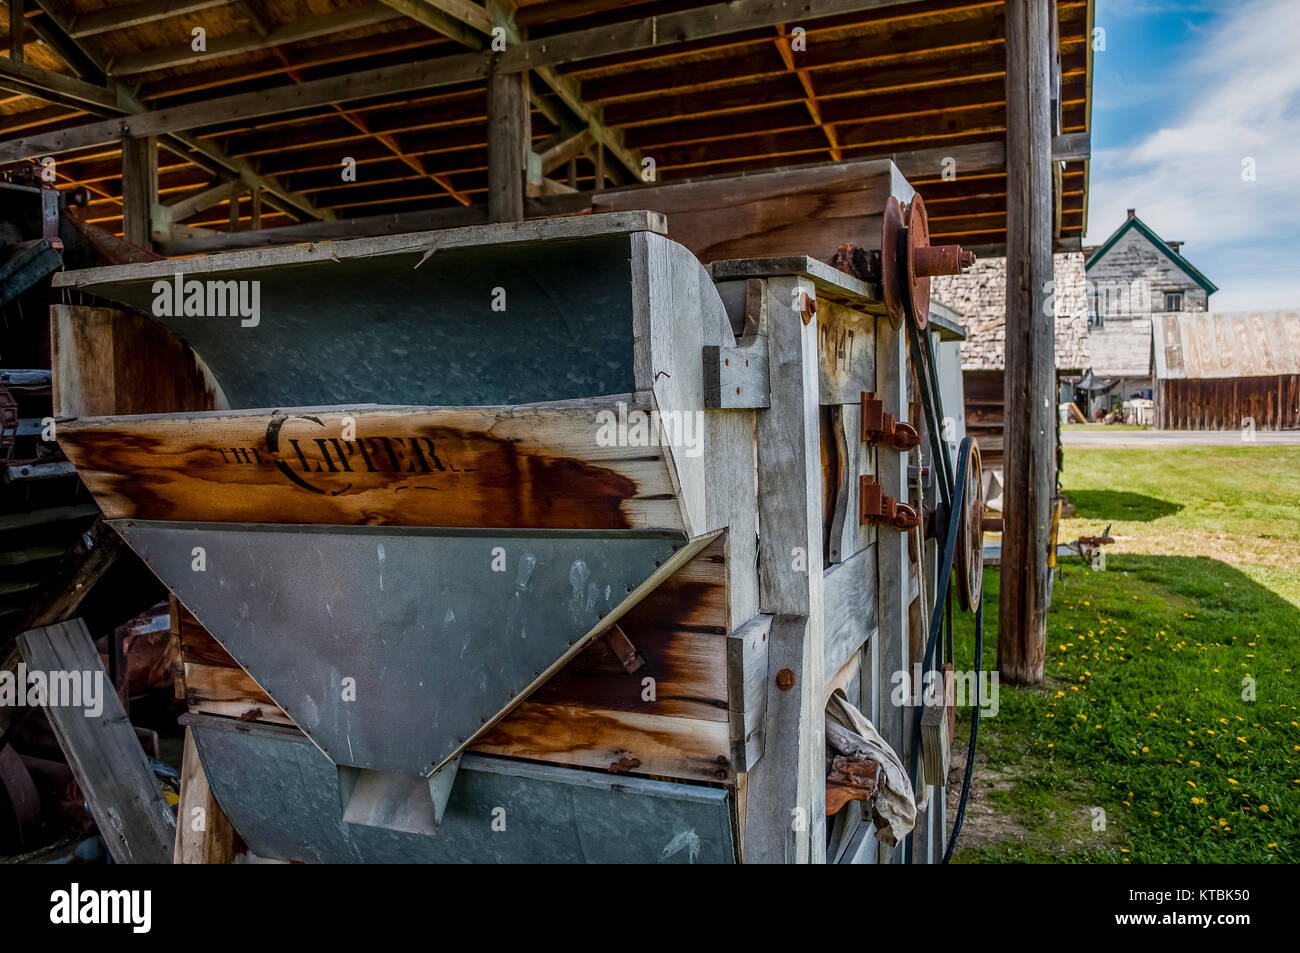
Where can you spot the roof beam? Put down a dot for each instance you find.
(564, 150)
(306, 28)
(644, 33)
(452, 27)
(205, 199)
(116, 101)
(17, 31)
(471, 25)
(119, 18)
(1071, 147)
(55, 87)
(53, 29)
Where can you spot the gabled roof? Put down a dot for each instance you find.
(1135, 222)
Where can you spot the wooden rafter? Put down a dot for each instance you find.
(295, 31)
(703, 96)
(116, 100)
(121, 18)
(784, 47)
(388, 141)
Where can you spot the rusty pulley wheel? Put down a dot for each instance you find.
(906, 266)
(970, 534)
(892, 266)
(917, 285)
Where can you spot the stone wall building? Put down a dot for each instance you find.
(980, 297)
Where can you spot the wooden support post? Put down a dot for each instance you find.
(893, 564)
(786, 790)
(1029, 385)
(255, 216)
(17, 30)
(233, 207)
(204, 835)
(139, 189)
(508, 141)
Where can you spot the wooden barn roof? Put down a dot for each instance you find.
(287, 89)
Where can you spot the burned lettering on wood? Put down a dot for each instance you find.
(537, 469)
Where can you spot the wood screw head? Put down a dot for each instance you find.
(785, 679)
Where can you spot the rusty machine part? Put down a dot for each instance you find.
(970, 535)
(875, 507)
(880, 427)
(8, 424)
(908, 261)
(852, 259)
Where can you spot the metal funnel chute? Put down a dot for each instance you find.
(393, 647)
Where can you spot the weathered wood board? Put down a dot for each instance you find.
(534, 466)
(107, 361)
(204, 835)
(747, 677)
(775, 212)
(105, 756)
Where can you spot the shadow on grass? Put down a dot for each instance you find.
(1120, 505)
(1193, 639)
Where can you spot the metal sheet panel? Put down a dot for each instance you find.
(440, 631)
(282, 796)
(1200, 345)
(493, 324)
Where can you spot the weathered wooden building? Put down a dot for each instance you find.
(1227, 371)
(525, 219)
(1132, 277)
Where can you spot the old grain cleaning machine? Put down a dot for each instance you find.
(450, 591)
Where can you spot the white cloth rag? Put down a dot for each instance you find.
(894, 806)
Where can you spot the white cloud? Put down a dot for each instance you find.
(1241, 87)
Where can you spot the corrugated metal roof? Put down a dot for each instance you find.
(1195, 345)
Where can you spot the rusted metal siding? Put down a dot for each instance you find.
(1204, 346)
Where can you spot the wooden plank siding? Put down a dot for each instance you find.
(1271, 403)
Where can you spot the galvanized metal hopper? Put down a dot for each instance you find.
(396, 576)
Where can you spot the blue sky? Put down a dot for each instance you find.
(1183, 93)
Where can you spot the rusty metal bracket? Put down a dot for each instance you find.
(807, 306)
(880, 427)
(875, 507)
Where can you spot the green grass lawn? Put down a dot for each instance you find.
(1171, 689)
